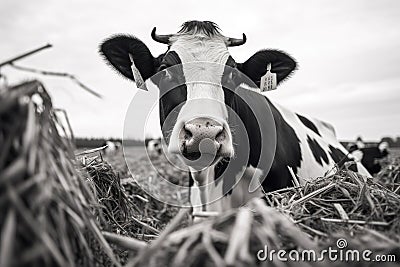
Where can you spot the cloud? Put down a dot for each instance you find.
(341, 46)
(353, 108)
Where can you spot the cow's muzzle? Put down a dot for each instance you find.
(204, 141)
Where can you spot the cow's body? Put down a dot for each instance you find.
(307, 146)
(234, 141)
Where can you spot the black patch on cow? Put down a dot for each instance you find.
(194, 27)
(308, 124)
(256, 66)
(116, 51)
(288, 150)
(287, 154)
(220, 168)
(317, 151)
(171, 100)
(340, 158)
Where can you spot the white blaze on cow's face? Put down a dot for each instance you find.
(201, 132)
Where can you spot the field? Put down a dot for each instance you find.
(142, 169)
(63, 207)
(375, 235)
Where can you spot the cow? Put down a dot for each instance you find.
(111, 147)
(370, 155)
(153, 147)
(212, 124)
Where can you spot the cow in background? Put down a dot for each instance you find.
(370, 155)
(153, 147)
(111, 147)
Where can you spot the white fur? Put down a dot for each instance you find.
(309, 168)
(203, 60)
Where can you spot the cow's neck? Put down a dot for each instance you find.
(201, 188)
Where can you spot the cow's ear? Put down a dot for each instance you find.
(116, 51)
(256, 66)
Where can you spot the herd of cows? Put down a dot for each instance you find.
(235, 141)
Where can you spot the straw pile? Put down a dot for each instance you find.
(236, 238)
(128, 215)
(46, 206)
(313, 216)
(389, 176)
(343, 202)
(124, 207)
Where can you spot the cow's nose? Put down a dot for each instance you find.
(202, 135)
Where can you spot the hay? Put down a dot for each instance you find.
(236, 237)
(231, 239)
(313, 216)
(129, 216)
(342, 202)
(46, 206)
(389, 176)
(125, 208)
(114, 205)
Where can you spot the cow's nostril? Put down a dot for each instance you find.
(220, 136)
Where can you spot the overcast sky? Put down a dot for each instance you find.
(348, 54)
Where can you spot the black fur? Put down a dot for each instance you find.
(287, 154)
(171, 100)
(116, 50)
(256, 66)
(206, 27)
(308, 124)
(317, 151)
(340, 158)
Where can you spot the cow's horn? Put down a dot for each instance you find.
(164, 39)
(236, 42)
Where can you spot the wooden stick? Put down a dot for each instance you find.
(10, 61)
(316, 192)
(89, 151)
(7, 241)
(354, 221)
(152, 229)
(341, 211)
(124, 241)
(239, 237)
(295, 181)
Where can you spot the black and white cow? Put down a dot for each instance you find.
(153, 146)
(197, 111)
(111, 147)
(370, 155)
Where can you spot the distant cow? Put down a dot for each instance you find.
(111, 147)
(369, 155)
(153, 146)
(213, 125)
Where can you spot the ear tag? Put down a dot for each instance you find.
(268, 81)
(140, 83)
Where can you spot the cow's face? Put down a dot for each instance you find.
(194, 113)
